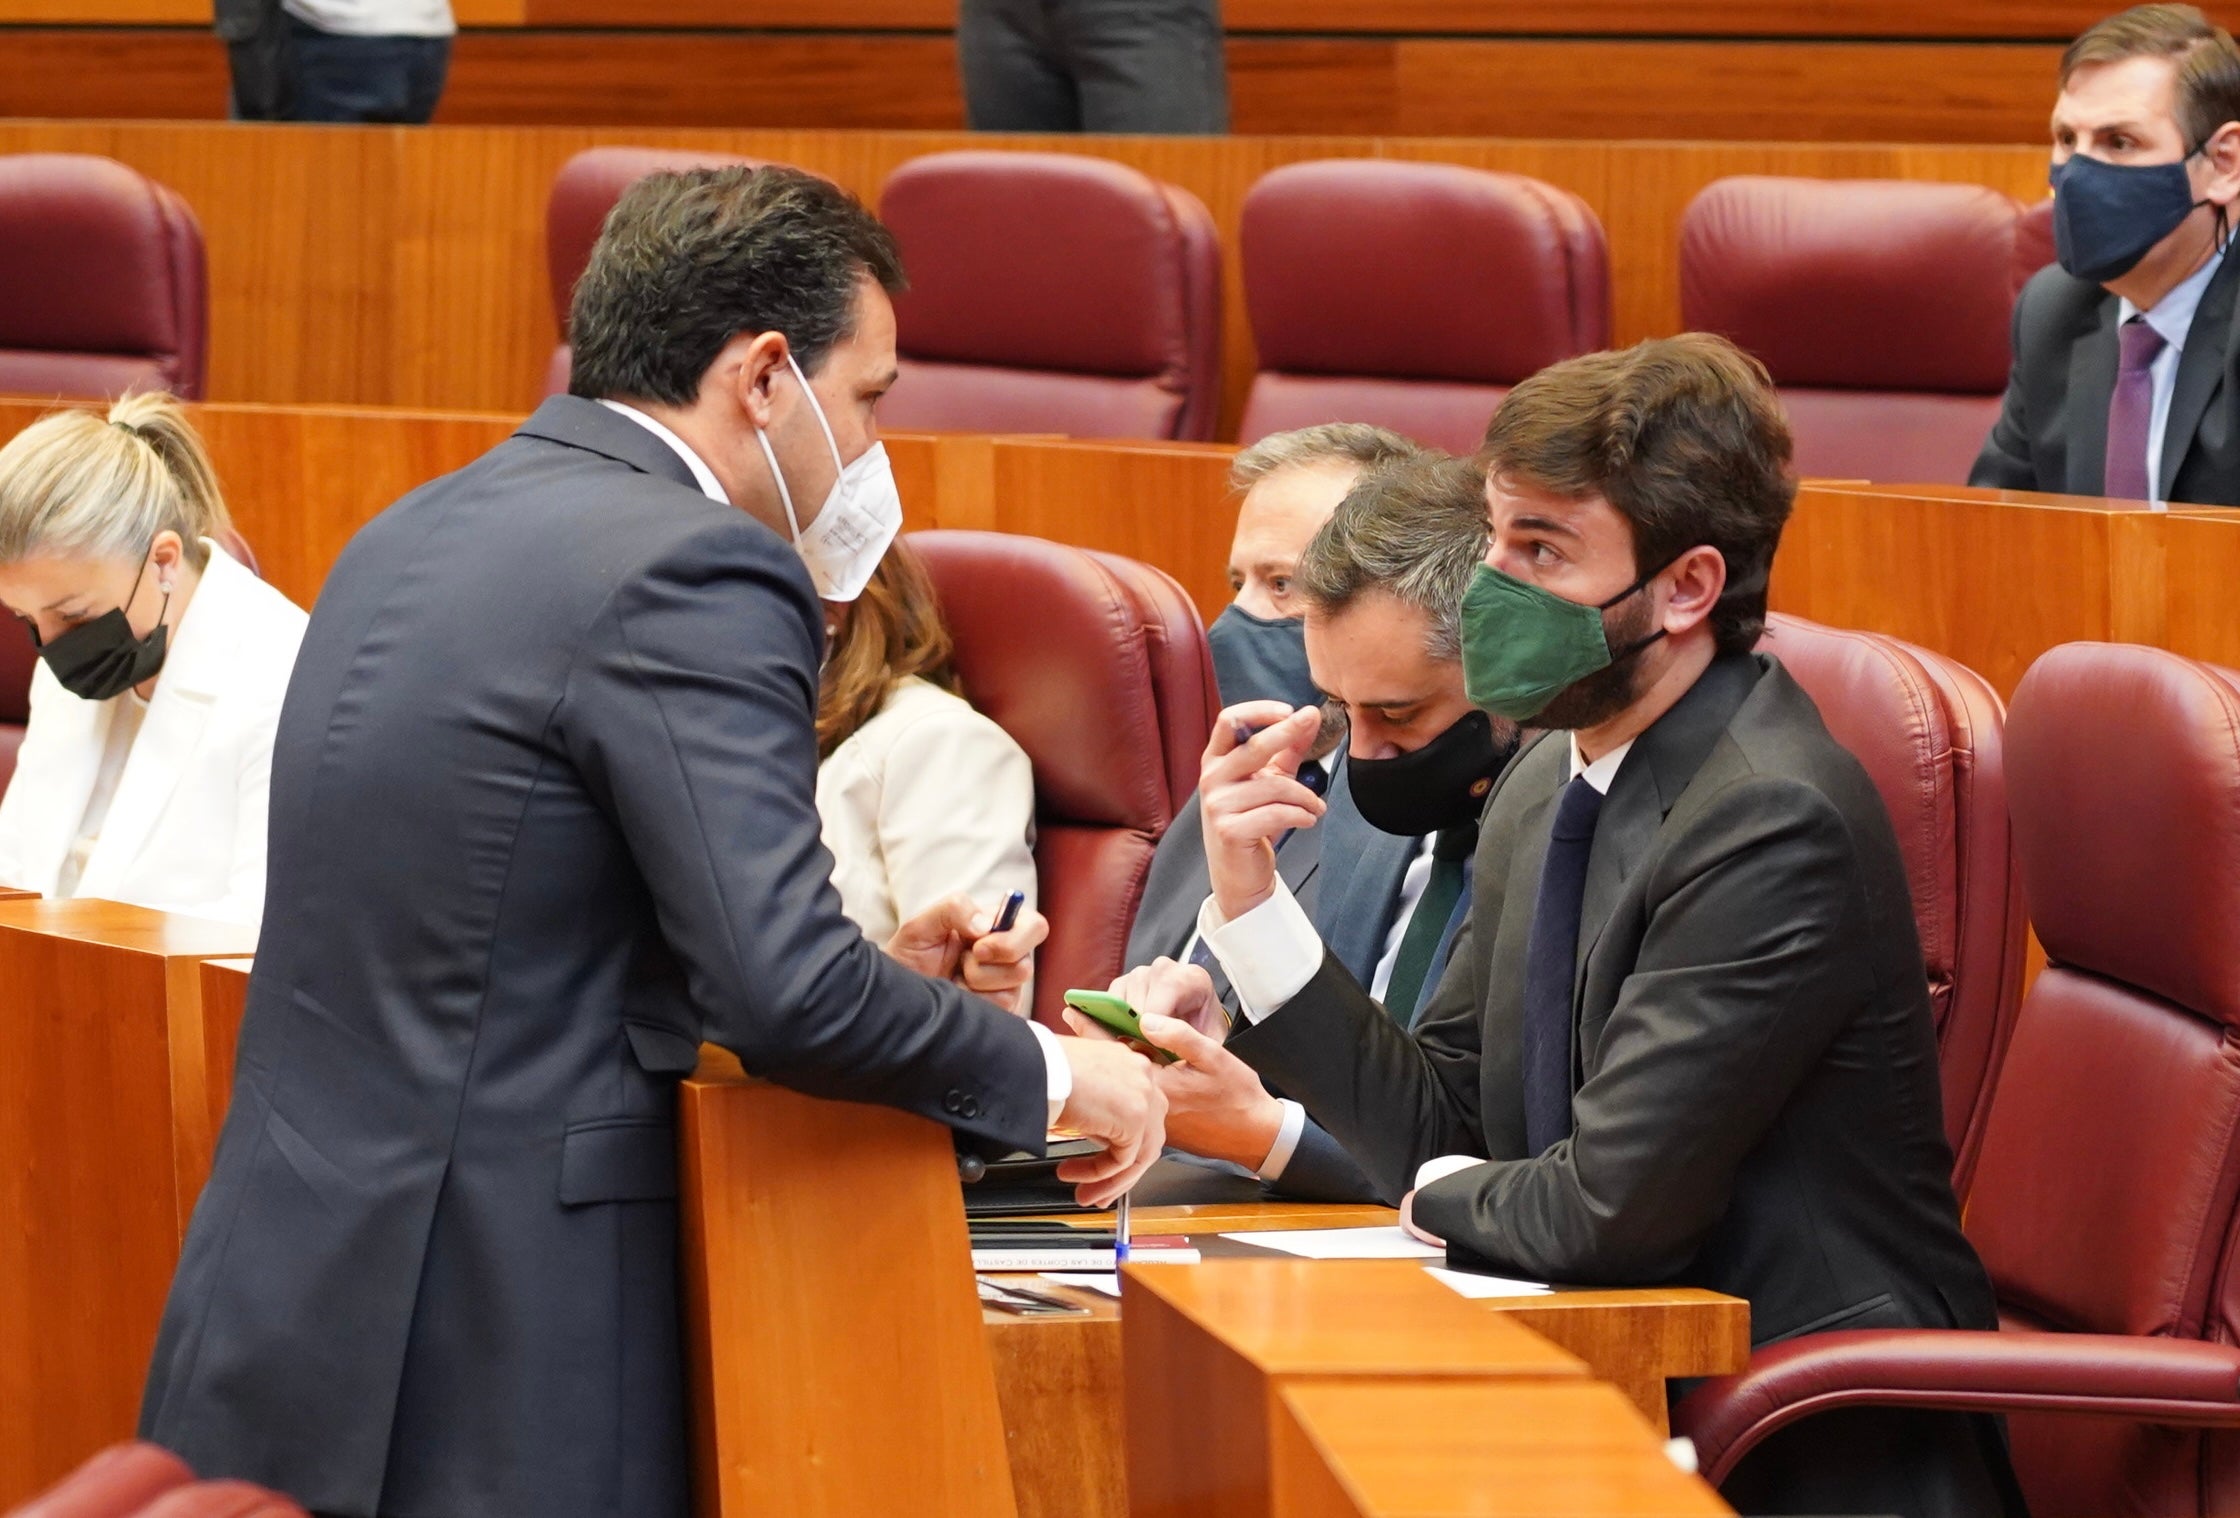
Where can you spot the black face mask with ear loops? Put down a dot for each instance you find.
(102, 658)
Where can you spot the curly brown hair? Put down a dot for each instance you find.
(892, 631)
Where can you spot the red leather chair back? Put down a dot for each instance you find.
(102, 287)
(1098, 668)
(2033, 242)
(1930, 733)
(1053, 293)
(583, 193)
(1412, 294)
(2105, 1186)
(1881, 308)
(145, 1481)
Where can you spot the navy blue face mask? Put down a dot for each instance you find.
(2107, 215)
(1261, 658)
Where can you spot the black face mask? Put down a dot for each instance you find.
(2106, 216)
(99, 659)
(1261, 659)
(1441, 785)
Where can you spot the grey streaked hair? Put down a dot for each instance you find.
(1357, 443)
(80, 484)
(1415, 530)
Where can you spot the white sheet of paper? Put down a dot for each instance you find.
(1477, 1286)
(1344, 1243)
(1088, 1280)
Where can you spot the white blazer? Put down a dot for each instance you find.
(927, 798)
(185, 831)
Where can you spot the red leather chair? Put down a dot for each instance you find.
(1053, 293)
(2105, 1184)
(2033, 241)
(1929, 731)
(1881, 308)
(1412, 294)
(583, 192)
(18, 658)
(1098, 667)
(102, 288)
(145, 1481)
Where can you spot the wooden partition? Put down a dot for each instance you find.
(1995, 578)
(1503, 1449)
(405, 267)
(106, 1127)
(833, 1332)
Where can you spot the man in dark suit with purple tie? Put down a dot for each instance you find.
(2126, 378)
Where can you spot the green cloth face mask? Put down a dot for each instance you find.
(1523, 646)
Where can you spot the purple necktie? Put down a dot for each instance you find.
(2131, 412)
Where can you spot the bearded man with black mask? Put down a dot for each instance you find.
(1380, 586)
(2126, 363)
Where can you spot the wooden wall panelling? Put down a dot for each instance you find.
(301, 481)
(104, 72)
(1498, 1449)
(1991, 578)
(104, 1087)
(399, 266)
(2202, 552)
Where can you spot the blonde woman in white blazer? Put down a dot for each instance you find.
(144, 772)
(921, 796)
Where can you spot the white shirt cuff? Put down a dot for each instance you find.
(1287, 1140)
(1061, 1072)
(1444, 1166)
(1268, 953)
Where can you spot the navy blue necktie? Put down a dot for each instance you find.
(1550, 964)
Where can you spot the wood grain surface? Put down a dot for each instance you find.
(405, 266)
(105, 1132)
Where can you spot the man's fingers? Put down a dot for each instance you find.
(1178, 1038)
(1295, 732)
(1084, 1026)
(1262, 788)
(1250, 717)
(1262, 824)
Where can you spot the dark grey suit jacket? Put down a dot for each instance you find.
(2052, 431)
(1345, 875)
(542, 821)
(1755, 1067)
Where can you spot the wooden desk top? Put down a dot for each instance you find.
(114, 925)
(1500, 1450)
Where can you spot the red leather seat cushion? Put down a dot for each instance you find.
(1064, 652)
(1378, 269)
(102, 286)
(116, 1483)
(1087, 292)
(1873, 303)
(583, 192)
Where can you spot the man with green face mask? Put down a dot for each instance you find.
(1684, 1037)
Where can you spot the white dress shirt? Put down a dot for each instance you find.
(1059, 1073)
(2172, 317)
(1272, 951)
(375, 18)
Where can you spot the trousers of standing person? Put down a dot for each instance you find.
(1151, 66)
(337, 60)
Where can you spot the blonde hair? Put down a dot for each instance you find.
(77, 483)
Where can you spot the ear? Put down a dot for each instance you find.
(749, 369)
(167, 553)
(1698, 578)
(2220, 158)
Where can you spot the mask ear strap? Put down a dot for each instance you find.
(785, 496)
(818, 407)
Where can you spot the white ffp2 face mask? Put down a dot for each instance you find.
(860, 516)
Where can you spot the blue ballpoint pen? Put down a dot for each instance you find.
(1120, 1233)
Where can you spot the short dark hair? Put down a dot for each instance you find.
(1414, 529)
(1683, 435)
(689, 260)
(2208, 90)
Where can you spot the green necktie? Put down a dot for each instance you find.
(1450, 864)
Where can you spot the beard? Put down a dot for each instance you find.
(1594, 699)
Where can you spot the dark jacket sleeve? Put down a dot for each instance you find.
(1322, 1171)
(1748, 967)
(691, 707)
(2005, 462)
(1391, 1098)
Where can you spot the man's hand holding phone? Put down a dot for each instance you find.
(1250, 795)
